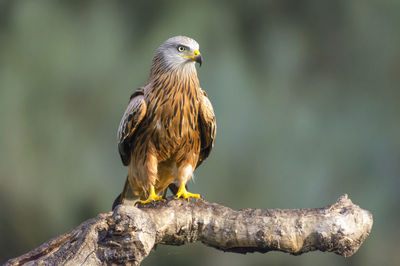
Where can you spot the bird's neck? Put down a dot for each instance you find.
(175, 79)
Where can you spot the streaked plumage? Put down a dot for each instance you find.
(169, 126)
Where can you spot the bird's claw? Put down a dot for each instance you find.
(149, 200)
(153, 197)
(183, 193)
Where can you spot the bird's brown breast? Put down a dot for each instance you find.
(170, 128)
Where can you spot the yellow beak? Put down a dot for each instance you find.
(196, 57)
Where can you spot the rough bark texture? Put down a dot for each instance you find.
(127, 235)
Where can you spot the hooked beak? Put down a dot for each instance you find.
(197, 57)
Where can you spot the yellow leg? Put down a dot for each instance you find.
(183, 193)
(152, 197)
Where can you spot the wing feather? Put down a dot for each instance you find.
(207, 126)
(130, 121)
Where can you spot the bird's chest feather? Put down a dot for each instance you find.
(172, 123)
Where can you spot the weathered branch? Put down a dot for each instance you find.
(127, 235)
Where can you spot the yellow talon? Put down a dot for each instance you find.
(183, 193)
(152, 197)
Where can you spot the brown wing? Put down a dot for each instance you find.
(130, 121)
(207, 127)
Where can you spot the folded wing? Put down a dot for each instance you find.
(130, 122)
(207, 126)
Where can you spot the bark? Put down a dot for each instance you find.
(127, 235)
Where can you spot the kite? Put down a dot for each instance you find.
(168, 128)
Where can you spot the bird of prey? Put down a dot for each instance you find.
(168, 128)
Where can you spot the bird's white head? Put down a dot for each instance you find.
(179, 52)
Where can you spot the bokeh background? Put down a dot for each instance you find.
(306, 95)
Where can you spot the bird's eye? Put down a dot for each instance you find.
(181, 48)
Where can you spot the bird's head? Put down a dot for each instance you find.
(178, 52)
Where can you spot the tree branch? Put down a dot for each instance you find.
(127, 235)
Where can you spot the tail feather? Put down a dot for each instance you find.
(126, 197)
(174, 188)
(117, 201)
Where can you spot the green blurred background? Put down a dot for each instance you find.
(306, 95)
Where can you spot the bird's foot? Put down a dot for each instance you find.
(183, 193)
(152, 197)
